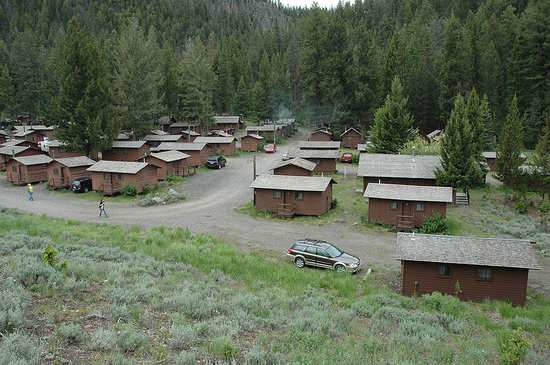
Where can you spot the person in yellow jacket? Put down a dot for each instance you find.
(102, 207)
(31, 189)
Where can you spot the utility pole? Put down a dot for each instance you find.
(254, 168)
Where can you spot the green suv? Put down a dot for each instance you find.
(322, 254)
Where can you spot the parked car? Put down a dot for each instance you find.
(270, 148)
(285, 156)
(216, 162)
(347, 157)
(322, 254)
(81, 185)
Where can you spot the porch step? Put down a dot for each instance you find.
(461, 198)
(285, 213)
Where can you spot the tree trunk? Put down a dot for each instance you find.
(506, 194)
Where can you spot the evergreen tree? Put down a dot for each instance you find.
(542, 161)
(84, 103)
(392, 123)
(6, 90)
(458, 156)
(242, 98)
(449, 74)
(137, 79)
(478, 115)
(509, 149)
(169, 76)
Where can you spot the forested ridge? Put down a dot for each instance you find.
(195, 59)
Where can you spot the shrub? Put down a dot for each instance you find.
(103, 340)
(131, 339)
(514, 347)
(18, 349)
(49, 255)
(334, 203)
(182, 337)
(70, 333)
(186, 358)
(362, 309)
(13, 303)
(443, 303)
(520, 203)
(128, 189)
(147, 189)
(434, 225)
(355, 158)
(258, 356)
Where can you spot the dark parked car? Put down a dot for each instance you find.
(215, 162)
(322, 254)
(82, 184)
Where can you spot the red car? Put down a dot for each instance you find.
(347, 157)
(270, 148)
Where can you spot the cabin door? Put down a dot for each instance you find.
(407, 208)
(62, 175)
(289, 197)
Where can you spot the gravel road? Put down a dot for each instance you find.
(211, 198)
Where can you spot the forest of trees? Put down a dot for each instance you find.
(103, 65)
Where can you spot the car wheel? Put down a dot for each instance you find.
(300, 262)
(340, 268)
(86, 190)
(219, 167)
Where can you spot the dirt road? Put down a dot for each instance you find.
(211, 198)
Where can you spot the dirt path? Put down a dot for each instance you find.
(212, 195)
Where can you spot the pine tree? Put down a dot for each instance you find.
(6, 90)
(169, 77)
(458, 157)
(509, 149)
(137, 79)
(542, 161)
(241, 103)
(478, 115)
(449, 75)
(83, 103)
(392, 123)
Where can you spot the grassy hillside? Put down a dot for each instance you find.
(124, 295)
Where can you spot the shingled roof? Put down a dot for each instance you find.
(12, 150)
(128, 144)
(398, 166)
(263, 128)
(441, 194)
(226, 119)
(434, 133)
(42, 127)
(349, 130)
(314, 153)
(121, 167)
(292, 183)
(300, 162)
(13, 142)
(329, 145)
(170, 156)
(56, 143)
(323, 131)
(214, 139)
(182, 124)
(76, 161)
(255, 136)
(181, 146)
(33, 160)
(492, 154)
(162, 138)
(496, 252)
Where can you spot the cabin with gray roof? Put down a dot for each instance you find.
(472, 268)
(319, 145)
(62, 172)
(404, 207)
(198, 152)
(228, 122)
(325, 160)
(293, 195)
(250, 142)
(491, 159)
(295, 167)
(179, 128)
(153, 140)
(58, 149)
(398, 169)
(351, 137)
(266, 130)
(28, 169)
(226, 146)
(169, 162)
(321, 135)
(7, 152)
(3, 136)
(108, 177)
(127, 151)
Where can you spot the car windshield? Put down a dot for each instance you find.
(333, 251)
(213, 158)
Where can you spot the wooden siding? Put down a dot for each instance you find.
(5, 158)
(312, 203)
(381, 213)
(26, 174)
(250, 144)
(111, 184)
(131, 155)
(399, 181)
(164, 168)
(292, 170)
(505, 284)
(65, 175)
(61, 152)
(324, 165)
(351, 139)
(319, 136)
(226, 149)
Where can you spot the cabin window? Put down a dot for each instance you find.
(246, 141)
(120, 176)
(394, 205)
(113, 150)
(349, 138)
(55, 172)
(444, 270)
(218, 145)
(125, 151)
(32, 138)
(420, 207)
(14, 168)
(277, 194)
(319, 161)
(298, 195)
(61, 150)
(106, 176)
(485, 273)
(173, 164)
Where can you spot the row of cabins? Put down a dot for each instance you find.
(350, 138)
(228, 123)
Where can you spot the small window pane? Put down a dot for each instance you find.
(125, 152)
(120, 176)
(55, 171)
(113, 150)
(298, 195)
(299, 248)
(322, 252)
(484, 273)
(246, 141)
(444, 270)
(312, 250)
(420, 207)
(319, 162)
(277, 194)
(14, 168)
(61, 150)
(106, 176)
(393, 205)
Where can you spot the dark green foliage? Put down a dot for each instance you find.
(541, 172)
(334, 203)
(434, 225)
(458, 155)
(514, 348)
(128, 189)
(49, 255)
(392, 123)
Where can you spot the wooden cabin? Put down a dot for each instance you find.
(435, 135)
(491, 159)
(471, 268)
(46, 131)
(29, 135)
(351, 138)
(224, 145)
(169, 162)
(165, 122)
(321, 135)
(62, 172)
(28, 169)
(250, 142)
(266, 130)
(127, 151)
(3, 136)
(58, 149)
(325, 160)
(189, 136)
(233, 123)
(198, 152)
(179, 128)
(295, 167)
(319, 145)
(110, 176)
(9, 152)
(293, 195)
(404, 207)
(398, 169)
(154, 140)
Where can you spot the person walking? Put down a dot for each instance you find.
(30, 189)
(102, 207)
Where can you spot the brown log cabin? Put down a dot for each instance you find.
(62, 172)
(108, 177)
(28, 169)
